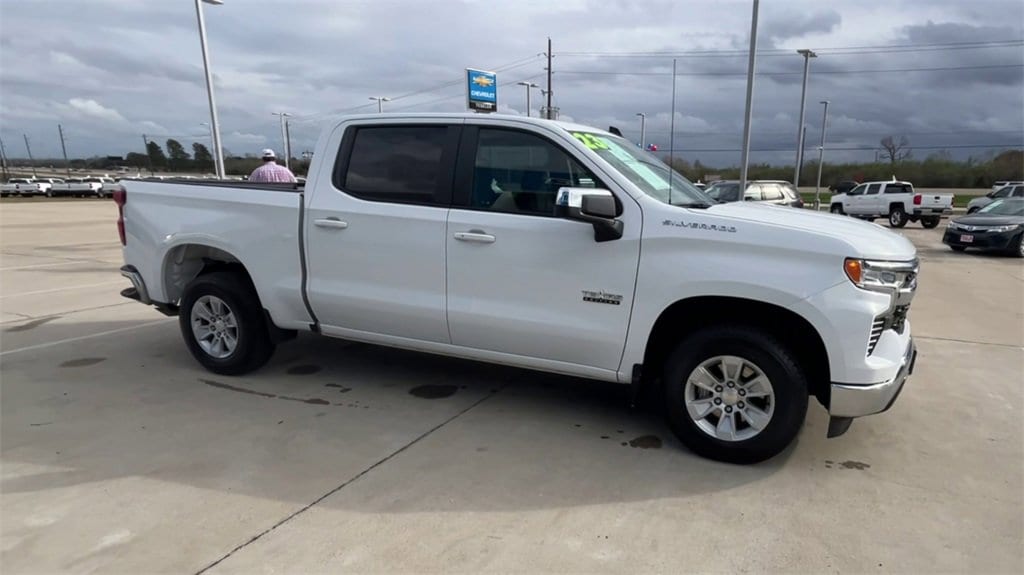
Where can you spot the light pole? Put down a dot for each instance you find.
(209, 127)
(284, 136)
(218, 154)
(31, 160)
(807, 54)
(380, 102)
(750, 98)
(529, 86)
(643, 130)
(821, 153)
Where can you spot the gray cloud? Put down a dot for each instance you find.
(141, 61)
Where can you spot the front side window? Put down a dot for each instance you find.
(396, 163)
(1003, 192)
(873, 189)
(520, 173)
(858, 190)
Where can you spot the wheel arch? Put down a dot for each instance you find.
(186, 261)
(687, 316)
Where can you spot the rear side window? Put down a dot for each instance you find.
(772, 192)
(396, 163)
(873, 189)
(899, 189)
(753, 193)
(1018, 192)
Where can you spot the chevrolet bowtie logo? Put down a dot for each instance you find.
(482, 81)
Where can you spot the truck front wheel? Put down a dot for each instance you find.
(836, 209)
(734, 394)
(222, 322)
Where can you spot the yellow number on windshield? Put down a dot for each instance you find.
(591, 141)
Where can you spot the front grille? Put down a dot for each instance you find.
(876, 332)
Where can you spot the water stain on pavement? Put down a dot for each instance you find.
(31, 325)
(646, 442)
(83, 362)
(303, 369)
(433, 391)
(860, 466)
(311, 401)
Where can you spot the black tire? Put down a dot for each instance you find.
(836, 209)
(49, 193)
(1017, 247)
(787, 378)
(254, 347)
(957, 248)
(930, 222)
(897, 217)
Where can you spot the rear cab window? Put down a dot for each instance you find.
(899, 188)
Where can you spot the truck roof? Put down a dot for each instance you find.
(568, 126)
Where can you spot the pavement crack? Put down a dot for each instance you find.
(351, 480)
(1009, 345)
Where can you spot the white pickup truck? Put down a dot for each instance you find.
(895, 201)
(542, 245)
(25, 187)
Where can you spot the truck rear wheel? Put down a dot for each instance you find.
(734, 394)
(930, 222)
(223, 325)
(897, 217)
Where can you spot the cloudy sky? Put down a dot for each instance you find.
(946, 73)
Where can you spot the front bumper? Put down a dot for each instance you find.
(980, 239)
(848, 401)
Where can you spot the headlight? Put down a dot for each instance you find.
(998, 229)
(881, 275)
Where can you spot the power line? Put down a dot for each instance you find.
(819, 72)
(881, 49)
(850, 148)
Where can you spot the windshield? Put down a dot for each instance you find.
(644, 169)
(1008, 207)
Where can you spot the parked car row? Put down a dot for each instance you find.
(999, 226)
(1011, 190)
(93, 186)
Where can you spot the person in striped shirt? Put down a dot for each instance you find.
(270, 171)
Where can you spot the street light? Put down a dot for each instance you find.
(643, 130)
(218, 154)
(380, 102)
(807, 54)
(751, 62)
(284, 137)
(821, 153)
(528, 86)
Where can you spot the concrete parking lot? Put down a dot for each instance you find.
(120, 454)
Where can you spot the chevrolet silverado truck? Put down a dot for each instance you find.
(542, 245)
(895, 201)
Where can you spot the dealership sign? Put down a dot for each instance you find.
(481, 90)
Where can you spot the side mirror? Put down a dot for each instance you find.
(593, 206)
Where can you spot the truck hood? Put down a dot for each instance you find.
(866, 239)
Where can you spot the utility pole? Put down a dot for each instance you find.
(548, 53)
(3, 160)
(149, 160)
(672, 134)
(807, 54)
(800, 166)
(821, 153)
(750, 99)
(643, 127)
(64, 150)
(218, 152)
(284, 135)
(31, 161)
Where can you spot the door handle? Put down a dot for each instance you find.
(334, 223)
(477, 236)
